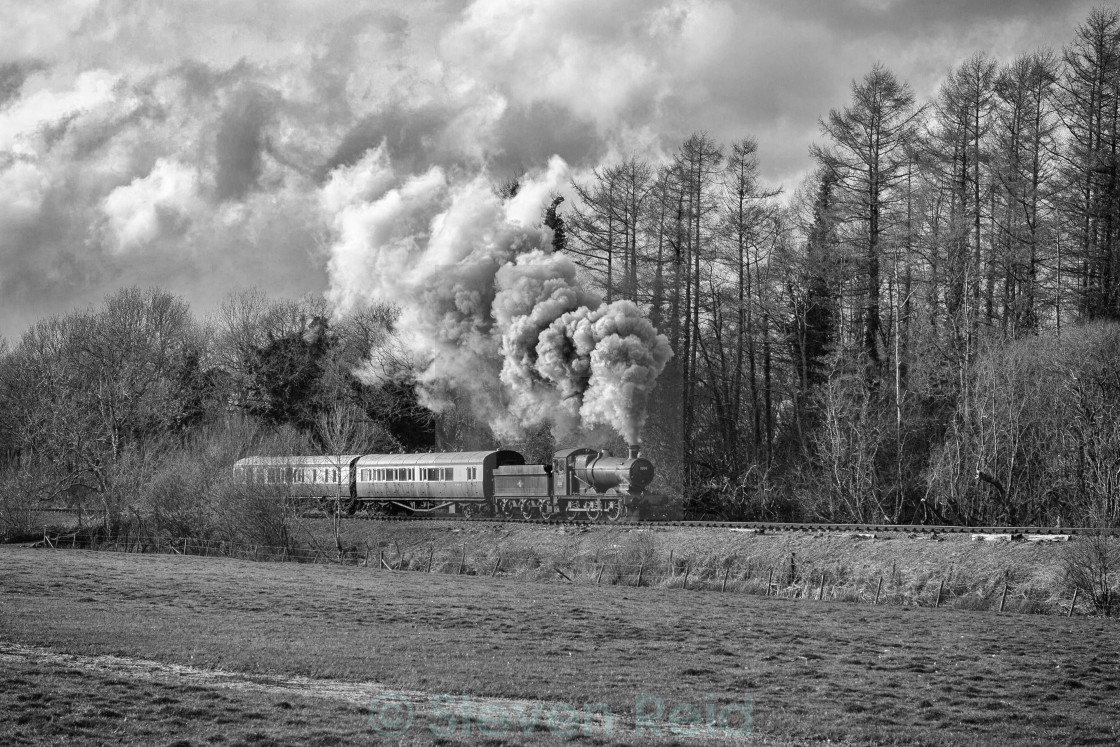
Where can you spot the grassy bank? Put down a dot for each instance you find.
(893, 568)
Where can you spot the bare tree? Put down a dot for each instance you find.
(867, 158)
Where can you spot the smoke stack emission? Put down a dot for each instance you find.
(493, 318)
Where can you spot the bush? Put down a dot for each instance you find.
(1091, 563)
(19, 495)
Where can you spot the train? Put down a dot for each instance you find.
(579, 483)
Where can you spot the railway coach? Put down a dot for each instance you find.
(456, 482)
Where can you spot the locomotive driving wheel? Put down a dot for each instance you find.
(544, 510)
(614, 509)
(594, 510)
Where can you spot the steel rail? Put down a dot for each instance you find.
(762, 526)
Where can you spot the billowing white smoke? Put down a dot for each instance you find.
(489, 312)
(607, 359)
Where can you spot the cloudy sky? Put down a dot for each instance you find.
(195, 145)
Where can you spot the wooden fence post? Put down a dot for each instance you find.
(565, 575)
(726, 572)
(496, 566)
(940, 588)
(1073, 603)
(641, 568)
(599, 577)
(462, 561)
(820, 593)
(431, 552)
(878, 589)
(686, 570)
(669, 567)
(769, 582)
(1003, 599)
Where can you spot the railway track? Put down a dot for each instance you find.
(759, 526)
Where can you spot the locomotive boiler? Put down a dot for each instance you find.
(579, 483)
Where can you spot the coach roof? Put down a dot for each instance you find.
(455, 457)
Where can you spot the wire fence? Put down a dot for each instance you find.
(733, 575)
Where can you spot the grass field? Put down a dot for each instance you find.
(252, 635)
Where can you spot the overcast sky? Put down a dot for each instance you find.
(189, 144)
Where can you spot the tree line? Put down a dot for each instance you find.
(920, 332)
(924, 331)
(136, 407)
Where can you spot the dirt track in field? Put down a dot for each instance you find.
(383, 701)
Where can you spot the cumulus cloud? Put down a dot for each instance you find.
(34, 122)
(195, 145)
(22, 187)
(152, 206)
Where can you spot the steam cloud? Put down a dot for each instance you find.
(490, 313)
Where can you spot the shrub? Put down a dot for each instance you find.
(1091, 563)
(19, 494)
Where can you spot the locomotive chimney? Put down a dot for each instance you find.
(634, 450)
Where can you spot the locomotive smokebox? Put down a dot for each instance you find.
(634, 450)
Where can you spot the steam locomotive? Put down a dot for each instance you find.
(580, 483)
